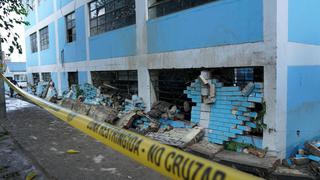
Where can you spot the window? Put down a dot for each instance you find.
(107, 15)
(72, 78)
(46, 76)
(71, 27)
(33, 42)
(159, 8)
(243, 76)
(20, 77)
(35, 78)
(44, 38)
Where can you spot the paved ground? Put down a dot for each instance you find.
(46, 139)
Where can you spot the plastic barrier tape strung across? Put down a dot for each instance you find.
(167, 160)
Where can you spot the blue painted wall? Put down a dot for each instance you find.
(117, 43)
(64, 81)
(48, 56)
(82, 77)
(303, 105)
(45, 9)
(54, 77)
(304, 12)
(31, 18)
(32, 58)
(217, 23)
(74, 51)
(61, 3)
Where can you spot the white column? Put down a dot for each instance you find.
(270, 35)
(281, 74)
(38, 34)
(270, 134)
(87, 32)
(145, 87)
(56, 31)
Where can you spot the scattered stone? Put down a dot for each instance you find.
(81, 108)
(103, 114)
(178, 137)
(159, 108)
(205, 149)
(67, 103)
(301, 160)
(98, 159)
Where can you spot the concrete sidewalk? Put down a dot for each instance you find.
(46, 139)
(14, 162)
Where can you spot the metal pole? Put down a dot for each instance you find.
(3, 112)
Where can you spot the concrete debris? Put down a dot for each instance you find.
(51, 94)
(205, 149)
(136, 103)
(178, 137)
(159, 108)
(81, 108)
(41, 89)
(312, 148)
(246, 91)
(315, 167)
(103, 114)
(67, 103)
(307, 155)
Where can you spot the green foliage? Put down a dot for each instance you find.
(79, 91)
(12, 12)
(234, 146)
(259, 120)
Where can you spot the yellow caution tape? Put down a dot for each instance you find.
(167, 160)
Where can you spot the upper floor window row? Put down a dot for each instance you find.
(107, 15)
(44, 40)
(158, 8)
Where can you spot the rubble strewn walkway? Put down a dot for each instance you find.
(14, 163)
(48, 139)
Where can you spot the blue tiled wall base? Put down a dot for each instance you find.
(230, 115)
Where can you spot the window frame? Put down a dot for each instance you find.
(161, 8)
(33, 42)
(71, 25)
(113, 15)
(44, 38)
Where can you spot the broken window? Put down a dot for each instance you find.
(33, 42)
(244, 75)
(124, 83)
(107, 15)
(46, 76)
(158, 8)
(71, 27)
(72, 78)
(44, 38)
(35, 78)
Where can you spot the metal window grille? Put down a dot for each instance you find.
(243, 76)
(44, 38)
(158, 8)
(46, 76)
(107, 15)
(33, 42)
(71, 27)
